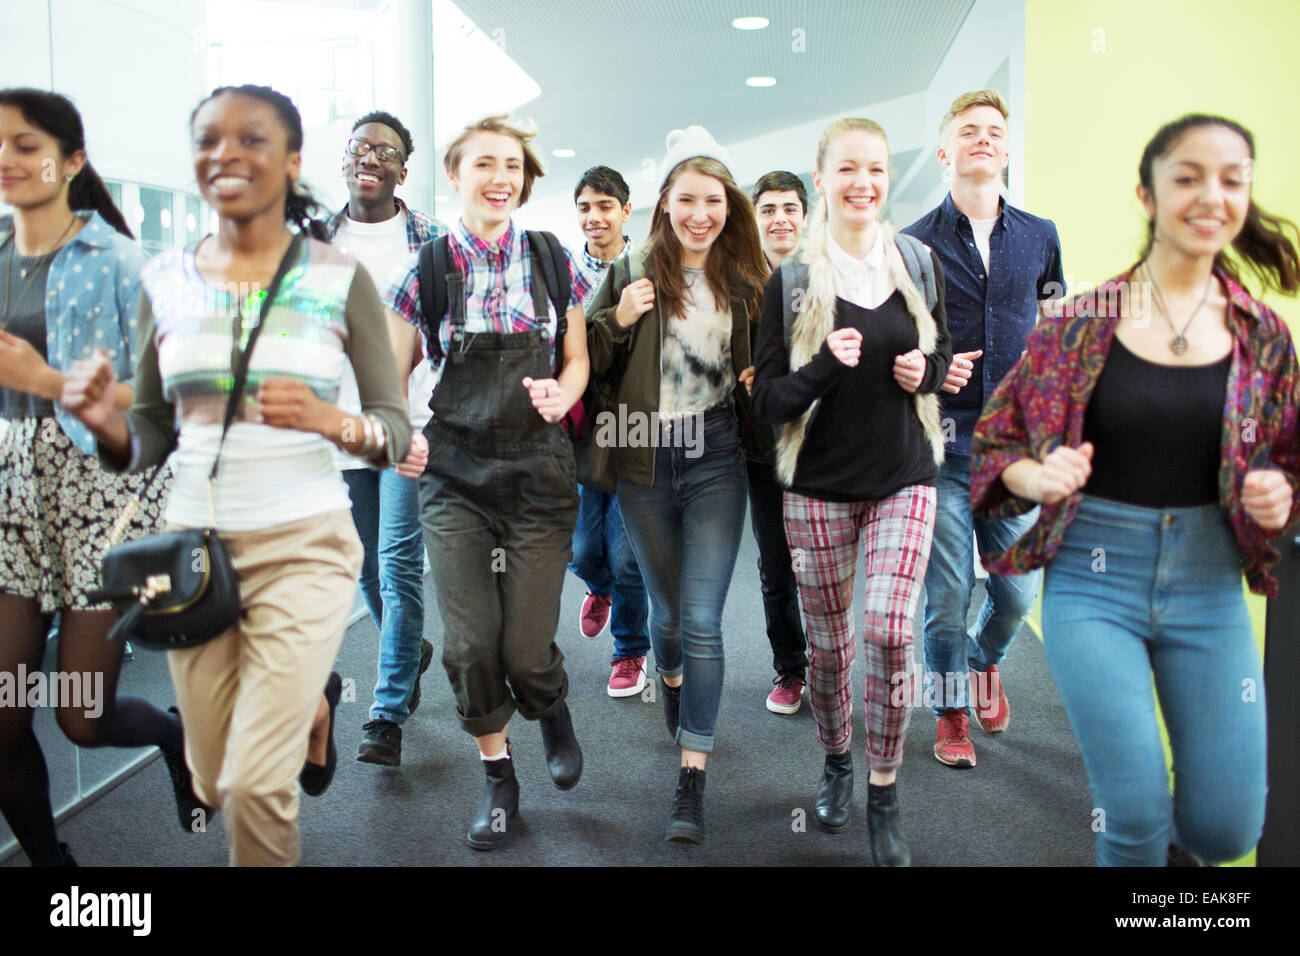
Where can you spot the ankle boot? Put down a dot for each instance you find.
(500, 805)
(563, 755)
(835, 794)
(686, 825)
(672, 708)
(888, 845)
(62, 858)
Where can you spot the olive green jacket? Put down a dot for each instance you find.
(640, 347)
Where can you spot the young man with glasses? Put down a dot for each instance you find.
(999, 264)
(602, 552)
(382, 233)
(781, 205)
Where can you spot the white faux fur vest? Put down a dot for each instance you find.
(816, 319)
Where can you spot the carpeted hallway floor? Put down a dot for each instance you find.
(1026, 803)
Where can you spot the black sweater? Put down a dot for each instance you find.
(865, 441)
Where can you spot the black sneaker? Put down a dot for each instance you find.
(188, 805)
(686, 825)
(381, 743)
(426, 657)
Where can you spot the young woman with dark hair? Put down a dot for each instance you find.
(683, 333)
(70, 285)
(250, 695)
(852, 385)
(1154, 419)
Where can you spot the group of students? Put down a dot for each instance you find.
(440, 369)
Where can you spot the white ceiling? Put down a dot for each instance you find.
(617, 76)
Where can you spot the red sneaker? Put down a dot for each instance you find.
(989, 701)
(952, 744)
(595, 614)
(628, 678)
(787, 695)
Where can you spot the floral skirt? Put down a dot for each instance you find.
(57, 509)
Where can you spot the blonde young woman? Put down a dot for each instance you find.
(499, 499)
(682, 331)
(858, 450)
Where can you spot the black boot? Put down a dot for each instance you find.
(189, 808)
(63, 858)
(563, 755)
(1180, 857)
(500, 805)
(835, 793)
(686, 825)
(672, 708)
(888, 845)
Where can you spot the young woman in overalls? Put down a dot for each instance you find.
(499, 497)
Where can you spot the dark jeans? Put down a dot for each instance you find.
(775, 575)
(685, 529)
(603, 558)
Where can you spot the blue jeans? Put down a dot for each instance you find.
(386, 512)
(1137, 591)
(685, 529)
(603, 558)
(951, 650)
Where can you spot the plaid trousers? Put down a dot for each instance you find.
(823, 536)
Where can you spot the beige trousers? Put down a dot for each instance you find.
(248, 697)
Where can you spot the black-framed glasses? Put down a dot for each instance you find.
(383, 153)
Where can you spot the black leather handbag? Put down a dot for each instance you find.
(178, 589)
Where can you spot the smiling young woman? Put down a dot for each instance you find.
(70, 285)
(1155, 420)
(684, 333)
(852, 386)
(250, 695)
(499, 498)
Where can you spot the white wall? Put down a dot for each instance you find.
(134, 68)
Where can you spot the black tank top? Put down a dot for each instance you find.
(1155, 431)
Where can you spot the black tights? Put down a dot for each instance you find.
(124, 722)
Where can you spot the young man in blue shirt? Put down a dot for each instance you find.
(602, 551)
(999, 264)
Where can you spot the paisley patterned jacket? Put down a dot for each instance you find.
(1040, 404)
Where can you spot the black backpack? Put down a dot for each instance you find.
(439, 281)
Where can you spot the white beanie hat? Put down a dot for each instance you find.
(684, 144)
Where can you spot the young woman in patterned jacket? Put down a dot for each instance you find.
(1155, 421)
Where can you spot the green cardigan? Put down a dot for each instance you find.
(638, 389)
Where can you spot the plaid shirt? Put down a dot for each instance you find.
(498, 287)
(593, 269)
(420, 228)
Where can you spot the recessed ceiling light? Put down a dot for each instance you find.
(761, 81)
(563, 153)
(749, 23)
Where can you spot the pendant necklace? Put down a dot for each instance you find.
(35, 267)
(1178, 344)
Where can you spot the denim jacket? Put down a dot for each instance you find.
(90, 303)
